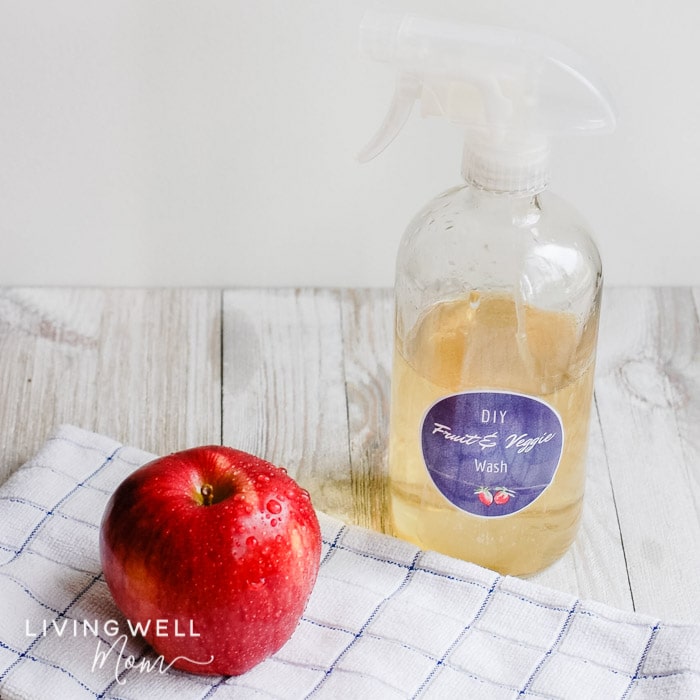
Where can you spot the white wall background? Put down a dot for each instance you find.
(212, 142)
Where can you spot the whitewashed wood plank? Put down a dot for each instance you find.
(689, 425)
(142, 366)
(160, 360)
(648, 394)
(594, 568)
(367, 343)
(284, 388)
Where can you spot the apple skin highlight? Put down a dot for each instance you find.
(220, 546)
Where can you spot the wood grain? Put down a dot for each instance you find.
(284, 388)
(648, 396)
(594, 567)
(302, 376)
(142, 366)
(367, 344)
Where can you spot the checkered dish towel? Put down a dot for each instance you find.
(385, 619)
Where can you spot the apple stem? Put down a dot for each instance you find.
(207, 494)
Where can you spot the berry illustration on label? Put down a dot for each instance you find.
(484, 495)
(502, 495)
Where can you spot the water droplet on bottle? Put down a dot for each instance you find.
(251, 542)
(274, 506)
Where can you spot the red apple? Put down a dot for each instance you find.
(213, 553)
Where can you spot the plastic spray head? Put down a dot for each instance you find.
(509, 91)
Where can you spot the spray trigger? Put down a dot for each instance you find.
(408, 90)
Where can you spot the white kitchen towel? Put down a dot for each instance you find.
(385, 619)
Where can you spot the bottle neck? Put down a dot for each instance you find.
(510, 167)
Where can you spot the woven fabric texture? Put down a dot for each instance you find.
(385, 620)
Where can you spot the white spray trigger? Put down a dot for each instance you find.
(509, 91)
(408, 90)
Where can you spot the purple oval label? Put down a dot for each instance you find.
(491, 453)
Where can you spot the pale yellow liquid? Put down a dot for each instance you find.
(481, 343)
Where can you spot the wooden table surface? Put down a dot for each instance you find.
(301, 378)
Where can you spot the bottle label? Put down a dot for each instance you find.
(491, 453)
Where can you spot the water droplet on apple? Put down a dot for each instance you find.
(291, 493)
(305, 494)
(239, 497)
(273, 522)
(251, 542)
(249, 509)
(255, 585)
(274, 506)
(262, 478)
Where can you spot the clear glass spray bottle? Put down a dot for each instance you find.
(497, 292)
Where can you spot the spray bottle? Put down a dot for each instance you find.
(497, 298)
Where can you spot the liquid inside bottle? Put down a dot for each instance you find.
(490, 342)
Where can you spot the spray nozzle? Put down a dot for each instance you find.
(508, 90)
